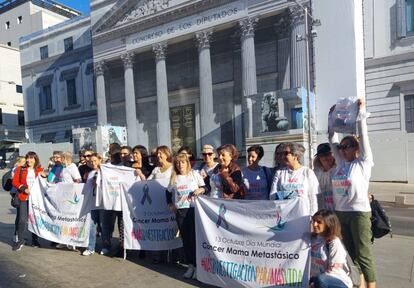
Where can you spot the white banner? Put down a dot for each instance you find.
(252, 243)
(148, 223)
(111, 182)
(60, 212)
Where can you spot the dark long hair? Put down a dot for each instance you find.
(34, 155)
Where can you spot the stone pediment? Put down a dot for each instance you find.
(127, 15)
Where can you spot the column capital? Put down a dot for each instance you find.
(160, 49)
(296, 14)
(128, 59)
(99, 67)
(247, 26)
(203, 39)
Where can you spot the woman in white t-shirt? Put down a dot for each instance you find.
(185, 184)
(324, 167)
(164, 165)
(257, 179)
(328, 254)
(295, 180)
(350, 184)
(70, 173)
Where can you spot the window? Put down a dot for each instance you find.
(71, 92)
(19, 89)
(1, 116)
(409, 113)
(409, 12)
(20, 20)
(7, 25)
(68, 44)
(44, 52)
(20, 118)
(9, 44)
(46, 98)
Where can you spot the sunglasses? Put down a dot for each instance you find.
(208, 154)
(346, 146)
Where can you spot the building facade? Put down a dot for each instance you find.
(389, 64)
(175, 72)
(23, 17)
(58, 80)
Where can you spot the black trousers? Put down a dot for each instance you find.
(186, 224)
(21, 220)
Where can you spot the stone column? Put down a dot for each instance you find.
(249, 78)
(298, 48)
(208, 126)
(100, 93)
(130, 103)
(283, 31)
(163, 109)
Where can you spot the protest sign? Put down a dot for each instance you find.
(148, 223)
(343, 118)
(60, 212)
(252, 243)
(111, 182)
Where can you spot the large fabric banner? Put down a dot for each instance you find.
(60, 212)
(111, 183)
(252, 243)
(148, 223)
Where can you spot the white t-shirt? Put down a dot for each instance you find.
(257, 183)
(184, 185)
(302, 183)
(157, 174)
(31, 177)
(216, 186)
(325, 184)
(329, 259)
(209, 171)
(70, 173)
(350, 183)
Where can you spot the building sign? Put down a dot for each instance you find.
(187, 25)
(183, 127)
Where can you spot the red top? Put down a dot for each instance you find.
(20, 183)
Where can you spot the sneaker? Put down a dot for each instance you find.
(195, 273)
(35, 243)
(60, 246)
(105, 251)
(18, 246)
(88, 252)
(73, 248)
(189, 273)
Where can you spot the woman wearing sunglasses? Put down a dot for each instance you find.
(350, 183)
(295, 180)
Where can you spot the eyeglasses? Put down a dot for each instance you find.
(346, 146)
(87, 156)
(283, 153)
(208, 154)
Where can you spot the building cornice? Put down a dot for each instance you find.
(108, 31)
(84, 114)
(388, 60)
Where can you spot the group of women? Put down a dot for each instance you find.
(338, 184)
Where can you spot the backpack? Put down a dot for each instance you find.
(380, 223)
(7, 181)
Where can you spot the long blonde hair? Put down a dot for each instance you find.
(179, 157)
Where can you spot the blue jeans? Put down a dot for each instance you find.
(92, 229)
(327, 281)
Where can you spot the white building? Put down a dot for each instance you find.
(23, 17)
(11, 99)
(58, 80)
(389, 64)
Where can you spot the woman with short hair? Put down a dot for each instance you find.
(257, 179)
(350, 183)
(164, 164)
(295, 180)
(227, 180)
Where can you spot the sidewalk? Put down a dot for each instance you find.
(387, 192)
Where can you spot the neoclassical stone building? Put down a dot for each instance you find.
(175, 71)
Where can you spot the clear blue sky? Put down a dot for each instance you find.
(80, 5)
